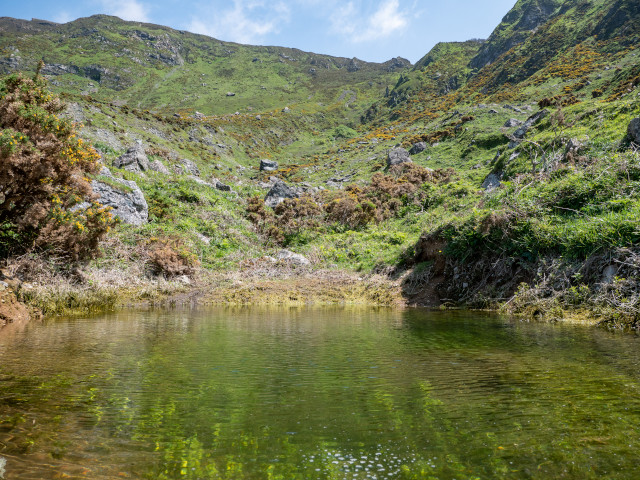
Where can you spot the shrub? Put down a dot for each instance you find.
(171, 258)
(43, 183)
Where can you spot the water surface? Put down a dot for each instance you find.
(317, 393)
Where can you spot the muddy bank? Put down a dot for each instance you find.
(603, 288)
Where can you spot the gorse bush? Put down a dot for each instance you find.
(353, 208)
(43, 183)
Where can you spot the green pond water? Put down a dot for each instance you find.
(317, 394)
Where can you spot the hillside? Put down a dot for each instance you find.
(157, 68)
(521, 189)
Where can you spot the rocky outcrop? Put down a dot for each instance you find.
(158, 166)
(293, 258)
(634, 131)
(418, 148)
(268, 165)
(520, 133)
(190, 168)
(124, 197)
(134, 160)
(278, 193)
(512, 122)
(492, 181)
(396, 156)
(515, 28)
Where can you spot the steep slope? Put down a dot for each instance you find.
(158, 68)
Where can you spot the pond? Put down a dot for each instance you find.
(331, 393)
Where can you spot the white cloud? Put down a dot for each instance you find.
(387, 19)
(63, 17)
(127, 9)
(248, 21)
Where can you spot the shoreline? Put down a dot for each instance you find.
(280, 287)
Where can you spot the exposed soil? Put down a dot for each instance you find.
(11, 310)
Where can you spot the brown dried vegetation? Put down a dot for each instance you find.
(43, 167)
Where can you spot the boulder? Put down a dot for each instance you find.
(189, 167)
(634, 130)
(128, 203)
(512, 122)
(418, 148)
(278, 193)
(291, 257)
(158, 166)
(574, 146)
(397, 156)
(520, 133)
(492, 181)
(134, 160)
(268, 165)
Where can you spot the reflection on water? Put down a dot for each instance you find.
(317, 393)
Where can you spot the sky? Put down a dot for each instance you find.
(371, 30)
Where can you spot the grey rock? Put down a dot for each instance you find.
(492, 181)
(231, 94)
(158, 166)
(418, 148)
(286, 110)
(634, 130)
(220, 186)
(397, 156)
(278, 193)
(134, 160)
(129, 206)
(609, 273)
(512, 122)
(493, 111)
(190, 167)
(268, 165)
(515, 109)
(573, 147)
(291, 257)
(532, 120)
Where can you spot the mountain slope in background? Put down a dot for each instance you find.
(524, 140)
(158, 68)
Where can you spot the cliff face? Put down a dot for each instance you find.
(515, 28)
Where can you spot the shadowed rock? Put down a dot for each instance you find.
(134, 160)
(397, 156)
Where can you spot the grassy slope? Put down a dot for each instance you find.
(584, 54)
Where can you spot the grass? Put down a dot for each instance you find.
(559, 207)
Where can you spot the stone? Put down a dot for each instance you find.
(278, 193)
(290, 257)
(418, 148)
(493, 111)
(512, 122)
(634, 130)
(397, 156)
(134, 160)
(286, 110)
(532, 120)
(573, 148)
(189, 167)
(492, 181)
(609, 273)
(268, 165)
(158, 166)
(515, 109)
(128, 203)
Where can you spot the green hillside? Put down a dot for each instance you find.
(523, 193)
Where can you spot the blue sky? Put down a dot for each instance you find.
(374, 30)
